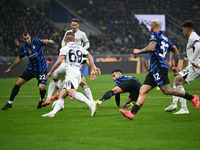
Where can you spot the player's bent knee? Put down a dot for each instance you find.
(41, 88)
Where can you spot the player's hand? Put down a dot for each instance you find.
(175, 70)
(136, 51)
(8, 70)
(169, 64)
(92, 75)
(97, 71)
(195, 65)
(48, 75)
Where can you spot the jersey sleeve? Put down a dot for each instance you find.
(84, 51)
(84, 38)
(85, 41)
(170, 44)
(196, 50)
(39, 42)
(22, 53)
(152, 38)
(63, 51)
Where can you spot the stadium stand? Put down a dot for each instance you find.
(115, 18)
(17, 18)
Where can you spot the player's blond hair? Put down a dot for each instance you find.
(157, 23)
(69, 36)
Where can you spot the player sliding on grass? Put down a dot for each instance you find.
(36, 67)
(192, 71)
(157, 48)
(72, 55)
(123, 84)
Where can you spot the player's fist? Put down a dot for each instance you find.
(97, 71)
(48, 75)
(92, 75)
(136, 51)
(8, 70)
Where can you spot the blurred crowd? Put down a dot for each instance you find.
(122, 31)
(114, 18)
(17, 18)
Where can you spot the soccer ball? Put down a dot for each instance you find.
(54, 103)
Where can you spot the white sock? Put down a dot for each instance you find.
(182, 100)
(58, 106)
(175, 98)
(79, 96)
(51, 88)
(59, 85)
(88, 93)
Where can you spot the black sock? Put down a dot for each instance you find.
(135, 109)
(117, 99)
(107, 95)
(42, 94)
(188, 96)
(14, 92)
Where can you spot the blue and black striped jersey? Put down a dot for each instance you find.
(35, 55)
(123, 78)
(157, 57)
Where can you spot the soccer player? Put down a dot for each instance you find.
(157, 48)
(36, 67)
(123, 84)
(192, 71)
(72, 55)
(80, 40)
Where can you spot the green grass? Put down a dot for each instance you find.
(23, 128)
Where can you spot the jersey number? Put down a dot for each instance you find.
(164, 46)
(75, 56)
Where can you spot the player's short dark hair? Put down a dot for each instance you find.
(116, 70)
(25, 34)
(74, 20)
(189, 24)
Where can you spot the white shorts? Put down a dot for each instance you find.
(190, 73)
(60, 72)
(72, 81)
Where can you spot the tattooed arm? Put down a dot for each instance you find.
(149, 48)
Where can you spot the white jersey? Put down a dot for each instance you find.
(73, 57)
(190, 73)
(80, 38)
(193, 40)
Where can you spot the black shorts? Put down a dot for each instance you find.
(158, 77)
(28, 75)
(131, 86)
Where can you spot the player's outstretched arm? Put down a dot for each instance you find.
(149, 48)
(176, 60)
(17, 60)
(46, 41)
(92, 66)
(56, 65)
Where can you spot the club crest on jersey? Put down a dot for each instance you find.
(30, 51)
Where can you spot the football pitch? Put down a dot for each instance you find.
(23, 128)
